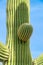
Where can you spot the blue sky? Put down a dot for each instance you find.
(36, 18)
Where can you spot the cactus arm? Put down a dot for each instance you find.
(4, 52)
(39, 60)
(24, 32)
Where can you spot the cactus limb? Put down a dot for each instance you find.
(4, 52)
(24, 32)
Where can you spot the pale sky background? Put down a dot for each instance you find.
(36, 18)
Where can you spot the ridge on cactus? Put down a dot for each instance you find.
(19, 30)
(4, 52)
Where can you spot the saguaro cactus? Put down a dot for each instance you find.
(19, 31)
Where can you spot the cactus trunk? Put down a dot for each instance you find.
(18, 13)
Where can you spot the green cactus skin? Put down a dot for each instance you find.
(24, 32)
(4, 52)
(18, 13)
(39, 60)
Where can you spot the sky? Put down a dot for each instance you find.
(36, 19)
